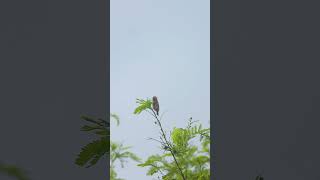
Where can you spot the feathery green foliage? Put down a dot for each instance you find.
(181, 158)
(94, 151)
(91, 153)
(194, 161)
(143, 105)
(13, 171)
(121, 154)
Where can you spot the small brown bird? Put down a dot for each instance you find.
(155, 104)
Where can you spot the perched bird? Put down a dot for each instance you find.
(155, 104)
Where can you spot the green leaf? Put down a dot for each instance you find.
(143, 105)
(102, 133)
(152, 170)
(100, 122)
(194, 160)
(90, 128)
(92, 152)
(131, 156)
(116, 117)
(13, 171)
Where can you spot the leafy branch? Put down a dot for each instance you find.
(146, 105)
(119, 153)
(91, 153)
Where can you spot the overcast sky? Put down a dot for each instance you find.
(158, 48)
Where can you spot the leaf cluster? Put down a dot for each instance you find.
(142, 105)
(119, 154)
(91, 153)
(194, 160)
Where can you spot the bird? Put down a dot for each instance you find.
(155, 104)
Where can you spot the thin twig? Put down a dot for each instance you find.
(156, 140)
(169, 145)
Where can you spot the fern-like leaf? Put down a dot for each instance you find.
(143, 105)
(92, 152)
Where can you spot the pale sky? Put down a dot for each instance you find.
(161, 48)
